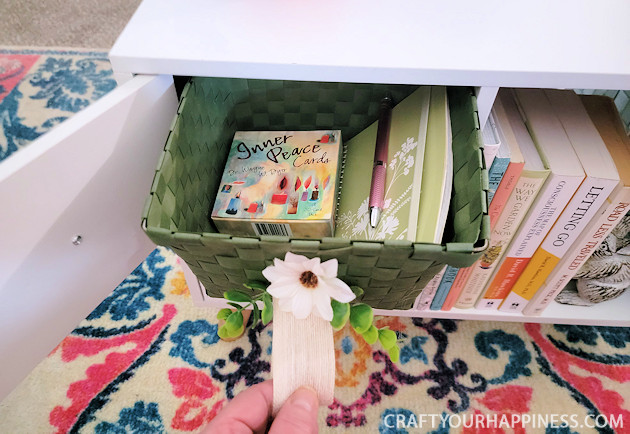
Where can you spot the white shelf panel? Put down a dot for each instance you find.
(611, 313)
(482, 43)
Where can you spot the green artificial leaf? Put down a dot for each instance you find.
(234, 322)
(361, 317)
(267, 312)
(239, 331)
(394, 353)
(387, 338)
(371, 335)
(226, 334)
(223, 333)
(238, 296)
(255, 285)
(341, 313)
(235, 306)
(256, 315)
(358, 291)
(224, 313)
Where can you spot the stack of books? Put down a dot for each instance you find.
(559, 181)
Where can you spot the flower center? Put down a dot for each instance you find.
(308, 279)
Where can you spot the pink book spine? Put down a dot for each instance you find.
(458, 286)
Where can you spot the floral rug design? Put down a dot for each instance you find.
(147, 360)
(41, 88)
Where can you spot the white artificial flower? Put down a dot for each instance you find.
(300, 283)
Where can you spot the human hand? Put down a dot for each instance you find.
(250, 411)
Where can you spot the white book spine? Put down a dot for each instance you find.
(491, 140)
(590, 240)
(423, 301)
(584, 205)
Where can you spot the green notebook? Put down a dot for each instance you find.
(437, 171)
(406, 153)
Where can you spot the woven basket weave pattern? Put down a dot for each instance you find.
(392, 273)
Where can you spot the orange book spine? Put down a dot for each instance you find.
(458, 286)
(506, 277)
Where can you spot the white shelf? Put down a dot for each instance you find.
(460, 42)
(610, 313)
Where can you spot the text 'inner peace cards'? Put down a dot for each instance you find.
(280, 183)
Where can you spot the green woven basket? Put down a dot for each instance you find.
(392, 273)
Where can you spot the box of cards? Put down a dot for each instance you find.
(280, 183)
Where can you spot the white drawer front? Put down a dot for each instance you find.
(89, 176)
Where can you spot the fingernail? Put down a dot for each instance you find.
(305, 398)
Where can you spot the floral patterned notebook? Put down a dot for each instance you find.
(404, 175)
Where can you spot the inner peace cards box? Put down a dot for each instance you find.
(280, 183)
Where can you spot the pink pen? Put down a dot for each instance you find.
(377, 189)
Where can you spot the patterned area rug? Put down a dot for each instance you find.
(40, 88)
(146, 360)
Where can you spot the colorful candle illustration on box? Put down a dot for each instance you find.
(315, 193)
(280, 197)
(253, 207)
(276, 176)
(234, 204)
(307, 184)
(294, 197)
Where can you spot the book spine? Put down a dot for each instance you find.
(491, 140)
(587, 244)
(585, 203)
(457, 287)
(445, 285)
(490, 153)
(495, 175)
(414, 207)
(423, 301)
(519, 202)
(553, 197)
(503, 191)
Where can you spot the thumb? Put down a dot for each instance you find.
(298, 414)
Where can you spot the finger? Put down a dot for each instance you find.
(248, 412)
(298, 414)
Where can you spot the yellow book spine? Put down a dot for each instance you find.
(538, 269)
